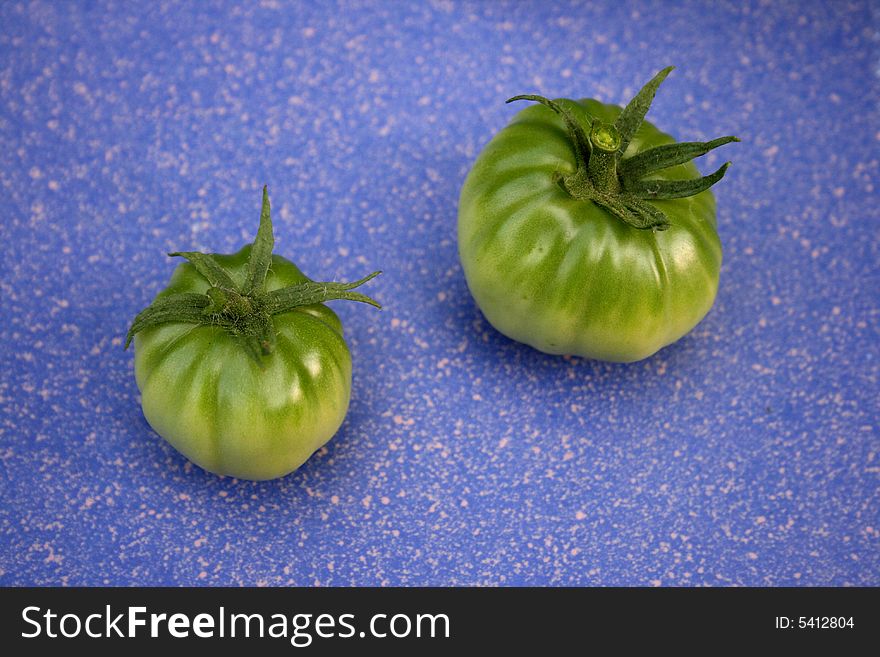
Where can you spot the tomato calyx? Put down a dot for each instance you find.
(244, 311)
(619, 185)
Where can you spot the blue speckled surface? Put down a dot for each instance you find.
(747, 453)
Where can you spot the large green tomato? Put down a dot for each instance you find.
(577, 238)
(250, 402)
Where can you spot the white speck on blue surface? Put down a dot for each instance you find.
(747, 453)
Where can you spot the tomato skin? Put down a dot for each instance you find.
(215, 404)
(566, 276)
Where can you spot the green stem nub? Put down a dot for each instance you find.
(229, 303)
(245, 311)
(618, 184)
(604, 137)
(602, 166)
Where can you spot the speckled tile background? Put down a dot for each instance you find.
(747, 453)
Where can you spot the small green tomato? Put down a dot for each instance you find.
(240, 365)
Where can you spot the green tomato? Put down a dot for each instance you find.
(255, 400)
(577, 235)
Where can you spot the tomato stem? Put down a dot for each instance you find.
(602, 166)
